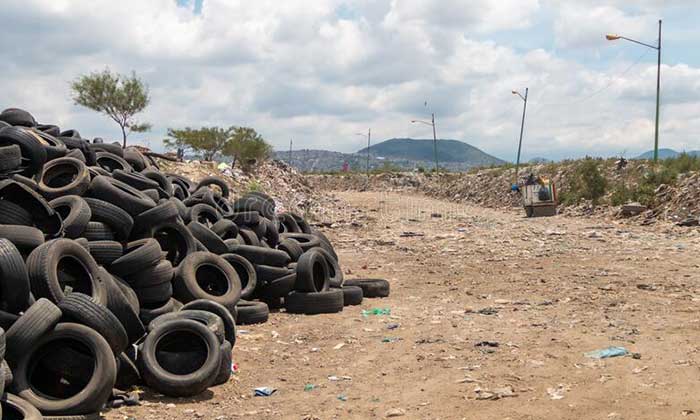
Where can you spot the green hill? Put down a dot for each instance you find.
(449, 151)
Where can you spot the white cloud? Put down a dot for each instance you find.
(321, 70)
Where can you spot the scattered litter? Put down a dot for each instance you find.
(264, 391)
(410, 234)
(611, 351)
(395, 412)
(495, 394)
(376, 311)
(392, 326)
(637, 371)
(234, 367)
(487, 344)
(558, 392)
(687, 412)
(309, 387)
(465, 380)
(339, 346)
(314, 350)
(342, 397)
(334, 378)
(390, 339)
(487, 311)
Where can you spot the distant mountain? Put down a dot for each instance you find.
(448, 151)
(539, 160)
(666, 154)
(403, 154)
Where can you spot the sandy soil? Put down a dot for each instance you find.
(541, 291)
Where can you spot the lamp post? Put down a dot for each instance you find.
(369, 136)
(522, 128)
(611, 37)
(431, 123)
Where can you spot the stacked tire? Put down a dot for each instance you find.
(114, 273)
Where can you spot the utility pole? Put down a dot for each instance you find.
(437, 167)
(522, 128)
(290, 152)
(369, 136)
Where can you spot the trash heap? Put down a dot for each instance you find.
(115, 273)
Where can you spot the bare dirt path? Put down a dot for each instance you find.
(535, 293)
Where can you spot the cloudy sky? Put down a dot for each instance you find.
(319, 71)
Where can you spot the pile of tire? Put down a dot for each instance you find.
(114, 273)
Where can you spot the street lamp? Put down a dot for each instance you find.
(522, 128)
(431, 123)
(612, 37)
(369, 136)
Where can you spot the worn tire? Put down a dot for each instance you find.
(25, 238)
(219, 310)
(98, 231)
(371, 288)
(252, 312)
(209, 239)
(262, 256)
(313, 273)
(203, 275)
(326, 302)
(95, 392)
(224, 372)
(75, 212)
(113, 216)
(64, 176)
(306, 240)
(14, 407)
(352, 295)
(120, 194)
(82, 309)
(175, 240)
(150, 312)
(105, 252)
(138, 256)
(28, 330)
(246, 274)
(170, 336)
(212, 321)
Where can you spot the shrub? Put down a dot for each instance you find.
(587, 184)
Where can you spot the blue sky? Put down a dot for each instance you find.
(319, 71)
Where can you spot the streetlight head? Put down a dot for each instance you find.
(514, 92)
(612, 37)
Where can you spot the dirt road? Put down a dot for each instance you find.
(488, 304)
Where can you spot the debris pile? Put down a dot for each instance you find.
(118, 272)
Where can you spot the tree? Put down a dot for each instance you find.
(246, 144)
(117, 96)
(206, 140)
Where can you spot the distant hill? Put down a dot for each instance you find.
(666, 154)
(404, 154)
(449, 151)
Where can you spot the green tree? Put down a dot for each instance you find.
(245, 145)
(587, 183)
(117, 96)
(205, 140)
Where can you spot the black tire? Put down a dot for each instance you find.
(313, 273)
(245, 218)
(267, 273)
(214, 180)
(272, 236)
(254, 203)
(15, 285)
(75, 212)
(125, 288)
(279, 287)
(249, 237)
(334, 271)
(33, 152)
(371, 288)
(99, 145)
(138, 255)
(306, 240)
(175, 240)
(120, 194)
(246, 274)
(209, 239)
(291, 247)
(161, 179)
(77, 154)
(203, 275)
(113, 216)
(7, 320)
(98, 231)
(151, 312)
(123, 309)
(204, 214)
(303, 224)
(105, 252)
(326, 243)
(127, 373)
(135, 179)
(177, 336)
(219, 310)
(154, 294)
(224, 372)
(212, 321)
(64, 176)
(160, 273)
(82, 309)
(352, 295)
(14, 407)
(111, 162)
(263, 256)
(28, 330)
(6, 376)
(225, 228)
(252, 312)
(96, 390)
(326, 302)
(25, 238)
(62, 263)
(164, 212)
(10, 157)
(288, 223)
(17, 116)
(14, 214)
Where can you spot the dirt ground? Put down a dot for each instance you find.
(541, 292)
